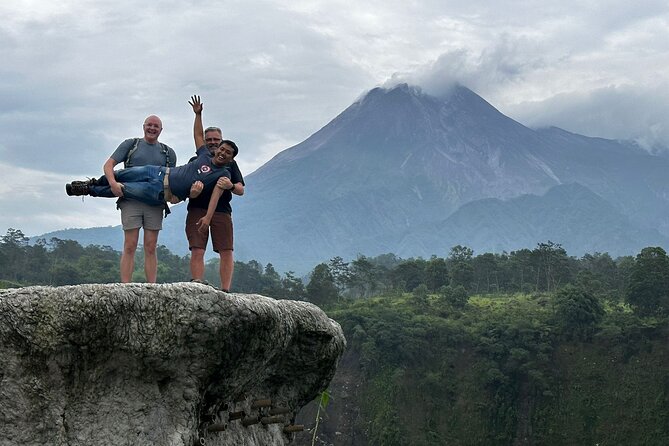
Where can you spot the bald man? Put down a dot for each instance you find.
(134, 152)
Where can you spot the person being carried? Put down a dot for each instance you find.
(221, 223)
(155, 185)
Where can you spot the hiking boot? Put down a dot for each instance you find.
(202, 281)
(77, 188)
(88, 182)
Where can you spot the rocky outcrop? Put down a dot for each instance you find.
(170, 365)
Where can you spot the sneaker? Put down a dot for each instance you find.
(77, 188)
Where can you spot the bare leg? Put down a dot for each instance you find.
(150, 255)
(226, 268)
(197, 263)
(131, 236)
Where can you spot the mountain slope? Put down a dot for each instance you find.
(570, 215)
(398, 161)
(389, 173)
(622, 173)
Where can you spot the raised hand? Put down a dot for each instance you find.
(196, 104)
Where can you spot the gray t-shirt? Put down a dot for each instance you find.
(157, 154)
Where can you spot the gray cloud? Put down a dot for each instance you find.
(623, 112)
(78, 76)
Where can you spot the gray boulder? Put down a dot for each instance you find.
(170, 365)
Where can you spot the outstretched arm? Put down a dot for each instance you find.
(198, 128)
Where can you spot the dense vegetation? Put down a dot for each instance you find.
(563, 368)
(527, 347)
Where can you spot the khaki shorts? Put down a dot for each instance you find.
(220, 228)
(135, 214)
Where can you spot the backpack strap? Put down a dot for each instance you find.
(132, 151)
(166, 152)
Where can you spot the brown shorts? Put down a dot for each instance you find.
(220, 228)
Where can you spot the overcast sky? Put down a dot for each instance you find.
(77, 77)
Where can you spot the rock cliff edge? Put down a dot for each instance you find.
(170, 364)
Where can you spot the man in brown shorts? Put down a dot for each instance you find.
(221, 224)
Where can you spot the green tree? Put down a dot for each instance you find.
(386, 261)
(247, 277)
(461, 270)
(66, 250)
(171, 267)
(486, 273)
(590, 281)
(321, 288)
(436, 273)
(408, 275)
(36, 263)
(271, 282)
(14, 237)
(577, 312)
(552, 266)
(65, 273)
(341, 273)
(522, 270)
(419, 297)
(292, 287)
(648, 289)
(13, 254)
(603, 268)
(624, 265)
(365, 277)
(103, 264)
